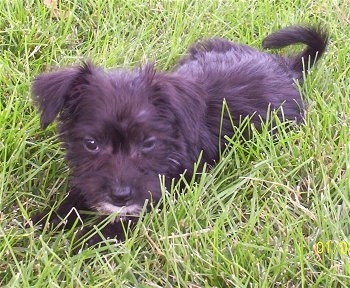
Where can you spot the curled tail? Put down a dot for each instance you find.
(315, 38)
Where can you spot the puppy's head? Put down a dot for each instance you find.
(121, 130)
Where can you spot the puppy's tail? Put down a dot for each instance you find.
(315, 38)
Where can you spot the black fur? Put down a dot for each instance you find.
(121, 129)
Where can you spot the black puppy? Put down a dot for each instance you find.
(121, 129)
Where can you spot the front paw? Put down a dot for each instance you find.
(45, 219)
(93, 235)
(66, 214)
(52, 219)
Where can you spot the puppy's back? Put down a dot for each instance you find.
(251, 82)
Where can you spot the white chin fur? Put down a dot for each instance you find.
(132, 210)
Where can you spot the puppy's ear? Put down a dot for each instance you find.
(51, 90)
(145, 76)
(177, 96)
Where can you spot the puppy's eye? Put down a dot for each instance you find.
(91, 145)
(149, 144)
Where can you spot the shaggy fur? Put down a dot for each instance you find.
(121, 129)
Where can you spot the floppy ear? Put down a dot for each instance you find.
(176, 96)
(51, 90)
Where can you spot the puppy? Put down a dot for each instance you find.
(121, 129)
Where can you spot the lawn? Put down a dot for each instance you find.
(272, 213)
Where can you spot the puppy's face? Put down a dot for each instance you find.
(121, 130)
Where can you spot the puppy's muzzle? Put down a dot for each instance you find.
(122, 194)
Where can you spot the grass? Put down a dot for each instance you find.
(271, 214)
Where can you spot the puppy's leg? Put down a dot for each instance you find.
(66, 214)
(117, 230)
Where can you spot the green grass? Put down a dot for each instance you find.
(253, 221)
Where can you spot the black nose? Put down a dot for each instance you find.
(122, 194)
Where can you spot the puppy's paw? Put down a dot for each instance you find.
(48, 220)
(92, 236)
(43, 219)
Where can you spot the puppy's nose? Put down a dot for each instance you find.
(122, 194)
